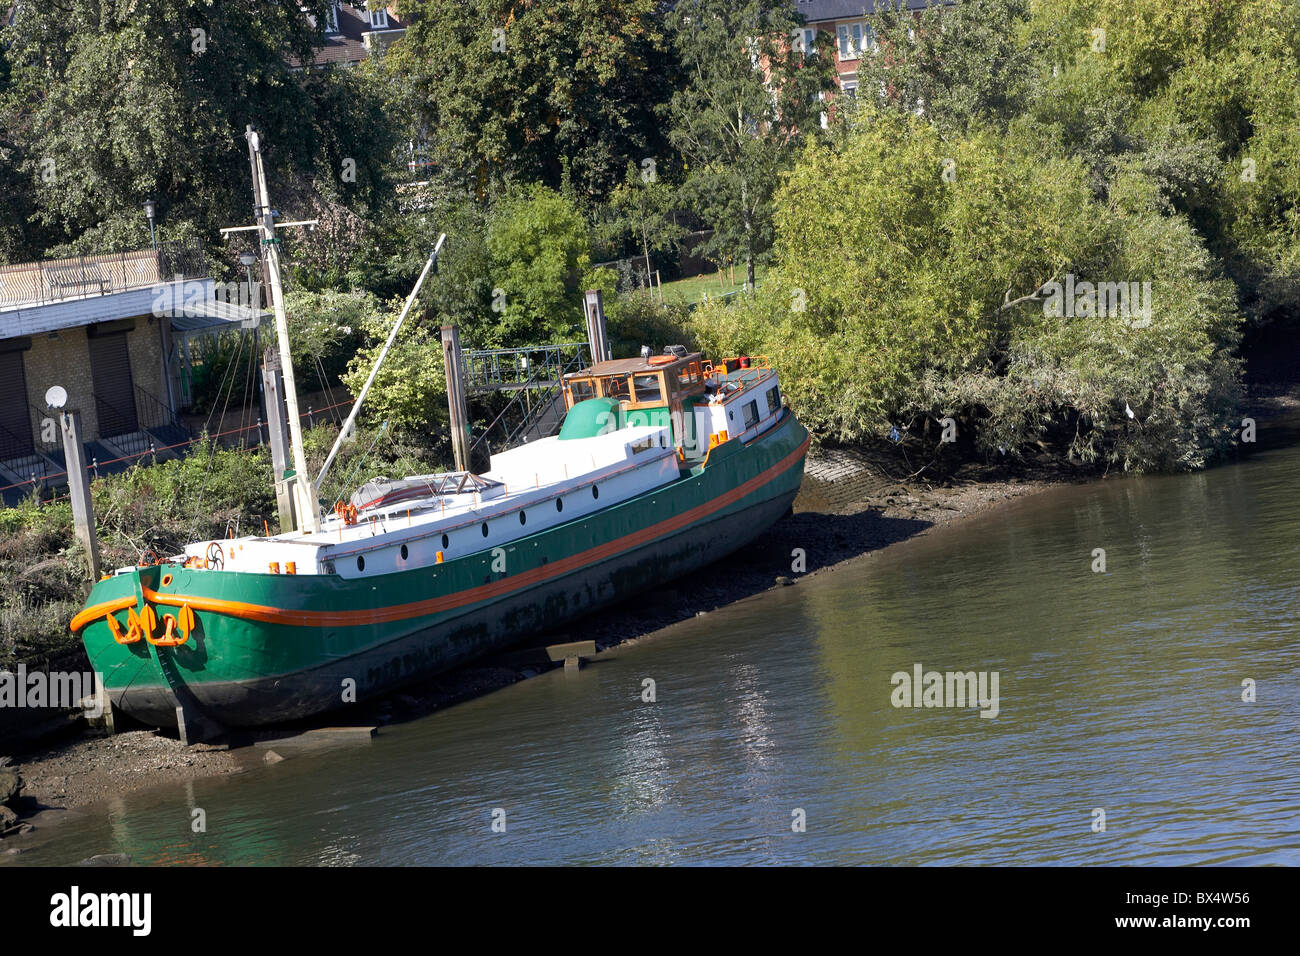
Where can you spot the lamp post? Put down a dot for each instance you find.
(150, 210)
(246, 259)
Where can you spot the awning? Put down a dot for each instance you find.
(215, 315)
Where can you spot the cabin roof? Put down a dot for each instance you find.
(630, 366)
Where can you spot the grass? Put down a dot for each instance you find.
(694, 289)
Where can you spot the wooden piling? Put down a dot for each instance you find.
(277, 426)
(457, 405)
(597, 339)
(83, 513)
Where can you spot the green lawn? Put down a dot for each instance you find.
(694, 289)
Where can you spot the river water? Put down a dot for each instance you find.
(1118, 693)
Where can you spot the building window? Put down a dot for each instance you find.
(854, 39)
(332, 19)
(849, 88)
(378, 18)
(805, 40)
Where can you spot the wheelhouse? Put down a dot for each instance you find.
(698, 400)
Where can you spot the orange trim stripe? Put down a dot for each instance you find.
(93, 613)
(401, 612)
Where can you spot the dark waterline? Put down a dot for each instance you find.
(1119, 691)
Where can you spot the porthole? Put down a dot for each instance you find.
(559, 504)
(523, 517)
(361, 563)
(595, 492)
(167, 579)
(405, 554)
(446, 542)
(485, 529)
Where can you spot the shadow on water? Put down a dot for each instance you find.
(823, 539)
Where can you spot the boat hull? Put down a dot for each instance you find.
(270, 648)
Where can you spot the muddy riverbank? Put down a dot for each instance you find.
(849, 506)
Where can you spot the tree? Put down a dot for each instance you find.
(539, 249)
(926, 297)
(751, 94)
(523, 92)
(410, 389)
(643, 204)
(961, 64)
(112, 104)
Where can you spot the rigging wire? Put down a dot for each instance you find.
(352, 474)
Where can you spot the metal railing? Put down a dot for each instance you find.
(535, 400)
(491, 370)
(28, 284)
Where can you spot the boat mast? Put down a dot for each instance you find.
(303, 493)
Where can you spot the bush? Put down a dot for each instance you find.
(922, 299)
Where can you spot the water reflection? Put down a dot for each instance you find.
(1119, 691)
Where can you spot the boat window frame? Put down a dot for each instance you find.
(635, 400)
(606, 392)
(587, 382)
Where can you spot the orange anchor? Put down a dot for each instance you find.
(182, 621)
(140, 625)
(115, 628)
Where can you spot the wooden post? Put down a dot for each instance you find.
(273, 387)
(457, 406)
(83, 513)
(596, 338)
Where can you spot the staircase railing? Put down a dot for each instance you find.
(536, 397)
(504, 369)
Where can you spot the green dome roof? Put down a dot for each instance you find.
(595, 416)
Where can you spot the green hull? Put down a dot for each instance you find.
(311, 643)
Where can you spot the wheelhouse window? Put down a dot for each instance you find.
(773, 399)
(648, 390)
(615, 387)
(688, 377)
(751, 414)
(581, 389)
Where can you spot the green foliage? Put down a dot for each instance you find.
(638, 318)
(539, 248)
(643, 205)
(964, 64)
(325, 331)
(373, 451)
(750, 97)
(109, 105)
(922, 299)
(410, 389)
(511, 92)
(164, 506)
